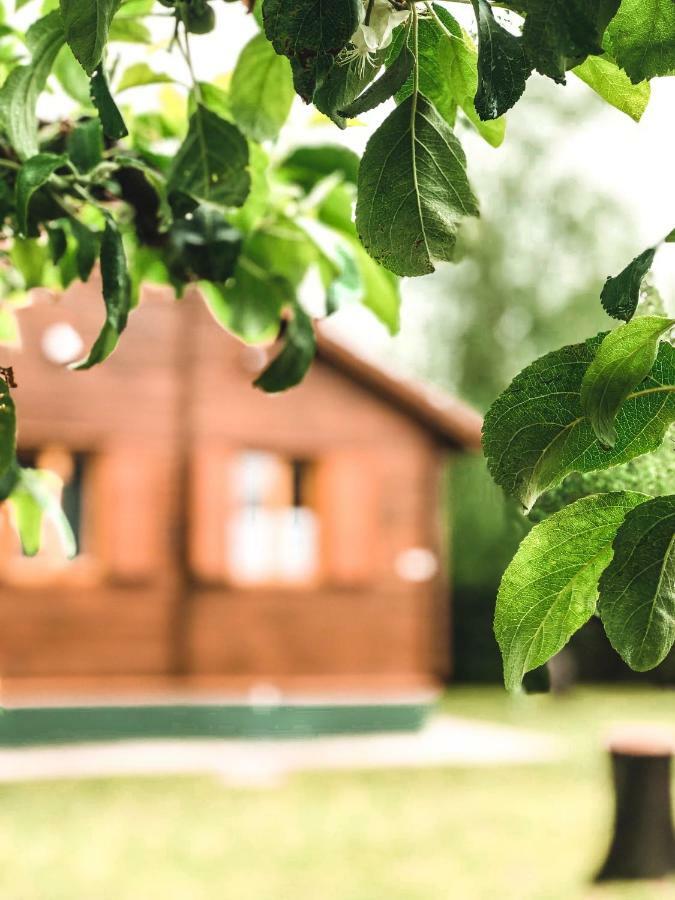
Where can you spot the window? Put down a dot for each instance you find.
(273, 534)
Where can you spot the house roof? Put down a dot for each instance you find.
(453, 422)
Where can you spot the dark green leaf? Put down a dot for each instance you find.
(624, 359)
(211, 163)
(385, 87)
(308, 28)
(32, 175)
(109, 114)
(637, 590)
(203, 244)
(621, 292)
(536, 433)
(58, 241)
(292, 363)
(503, 67)
(20, 92)
(559, 34)
(85, 145)
(642, 37)
(7, 429)
(86, 26)
(413, 190)
(261, 91)
(87, 248)
(550, 588)
(116, 293)
(342, 83)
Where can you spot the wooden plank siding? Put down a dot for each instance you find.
(160, 423)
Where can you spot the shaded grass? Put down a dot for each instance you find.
(531, 832)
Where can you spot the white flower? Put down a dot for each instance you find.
(368, 39)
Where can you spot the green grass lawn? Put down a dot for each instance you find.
(531, 832)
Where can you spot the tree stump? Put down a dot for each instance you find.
(643, 845)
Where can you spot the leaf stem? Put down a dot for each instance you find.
(187, 55)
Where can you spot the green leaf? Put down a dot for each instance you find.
(34, 498)
(250, 304)
(380, 289)
(385, 87)
(309, 28)
(116, 293)
(139, 75)
(670, 238)
(32, 175)
(85, 145)
(87, 248)
(550, 587)
(413, 190)
(309, 165)
(292, 363)
(448, 74)
(24, 84)
(637, 589)
(203, 244)
(621, 293)
(642, 36)
(624, 359)
(7, 429)
(86, 26)
(342, 83)
(211, 163)
(72, 78)
(611, 83)
(129, 30)
(535, 433)
(261, 91)
(561, 33)
(503, 67)
(109, 114)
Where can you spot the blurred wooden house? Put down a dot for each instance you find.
(226, 538)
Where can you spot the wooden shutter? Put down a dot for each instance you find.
(133, 511)
(347, 506)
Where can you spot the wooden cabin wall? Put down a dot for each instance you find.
(160, 421)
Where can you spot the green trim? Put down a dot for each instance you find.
(72, 724)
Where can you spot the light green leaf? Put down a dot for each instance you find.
(624, 359)
(129, 30)
(611, 83)
(20, 92)
(261, 91)
(85, 145)
(642, 36)
(32, 175)
(34, 498)
(140, 74)
(211, 163)
(536, 433)
(72, 77)
(621, 293)
(250, 304)
(108, 113)
(503, 67)
(116, 293)
(380, 289)
(550, 588)
(413, 190)
(637, 590)
(10, 334)
(86, 26)
(292, 363)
